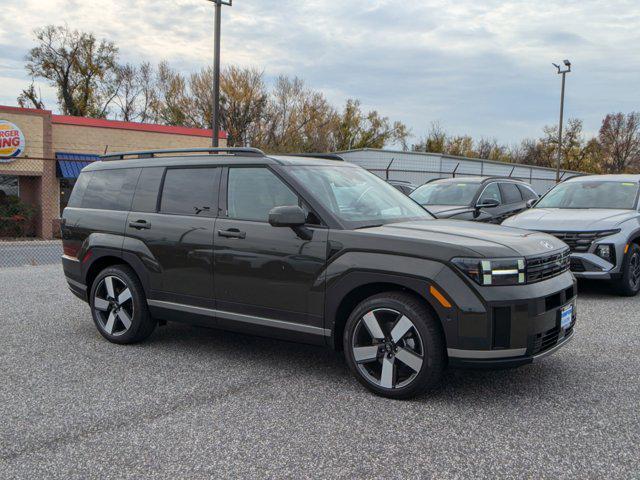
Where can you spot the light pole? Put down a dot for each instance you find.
(215, 116)
(563, 72)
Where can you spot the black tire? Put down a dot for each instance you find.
(131, 321)
(629, 284)
(425, 335)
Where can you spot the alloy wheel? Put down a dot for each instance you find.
(113, 305)
(387, 348)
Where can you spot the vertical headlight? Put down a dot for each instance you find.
(497, 271)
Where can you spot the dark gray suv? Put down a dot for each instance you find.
(597, 216)
(481, 199)
(315, 251)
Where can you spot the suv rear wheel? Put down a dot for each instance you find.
(629, 284)
(119, 306)
(394, 345)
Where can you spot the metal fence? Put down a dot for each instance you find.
(418, 168)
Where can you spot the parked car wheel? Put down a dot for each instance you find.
(119, 306)
(394, 345)
(629, 284)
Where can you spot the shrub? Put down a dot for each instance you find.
(15, 216)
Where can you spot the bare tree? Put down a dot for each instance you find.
(29, 98)
(619, 138)
(77, 65)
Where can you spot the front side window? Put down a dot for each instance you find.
(591, 194)
(190, 191)
(527, 193)
(356, 196)
(510, 193)
(491, 192)
(446, 193)
(253, 192)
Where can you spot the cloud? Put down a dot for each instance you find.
(482, 68)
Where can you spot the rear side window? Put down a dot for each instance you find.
(510, 193)
(75, 199)
(190, 191)
(146, 196)
(527, 193)
(253, 192)
(111, 189)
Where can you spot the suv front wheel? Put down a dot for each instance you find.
(629, 284)
(119, 307)
(394, 345)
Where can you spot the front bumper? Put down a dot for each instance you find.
(516, 326)
(591, 266)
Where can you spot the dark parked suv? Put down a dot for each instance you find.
(482, 199)
(311, 250)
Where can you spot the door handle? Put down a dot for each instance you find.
(232, 233)
(140, 224)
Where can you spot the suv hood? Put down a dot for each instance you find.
(472, 238)
(570, 219)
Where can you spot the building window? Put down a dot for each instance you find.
(9, 185)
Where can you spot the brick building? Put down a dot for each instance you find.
(42, 153)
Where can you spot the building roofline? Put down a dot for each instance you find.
(29, 111)
(135, 126)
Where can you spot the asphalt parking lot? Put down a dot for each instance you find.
(198, 403)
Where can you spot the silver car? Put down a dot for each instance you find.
(597, 216)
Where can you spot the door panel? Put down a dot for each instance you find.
(261, 270)
(176, 243)
(270, 272)
(178, 253)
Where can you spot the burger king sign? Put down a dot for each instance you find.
(12, 141)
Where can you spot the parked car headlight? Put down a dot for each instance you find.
(496, 271)
(606, 252)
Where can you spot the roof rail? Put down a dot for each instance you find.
(326, 156)
(253, 152)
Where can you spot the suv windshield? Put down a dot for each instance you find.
(449, 193)
(358, 197)
(595, 194)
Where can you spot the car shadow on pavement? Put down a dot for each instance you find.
(319, 365)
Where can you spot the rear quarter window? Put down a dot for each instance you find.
(527, 193)
(111, 189)
(75, 199)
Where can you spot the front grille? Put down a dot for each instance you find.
(545, 340)
(581, 241)
(543, 267)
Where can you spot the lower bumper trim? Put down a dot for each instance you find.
(484, 354)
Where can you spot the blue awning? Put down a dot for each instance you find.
(70, 164)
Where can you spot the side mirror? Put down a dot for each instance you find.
(488, 203)
(287, 216)
(531, 202)
(291, 216)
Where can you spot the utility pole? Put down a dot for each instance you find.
(215, 117)
(563, 72)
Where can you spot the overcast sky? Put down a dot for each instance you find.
(477, 67)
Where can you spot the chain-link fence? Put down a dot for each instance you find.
(33, 192)
(418, 168)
